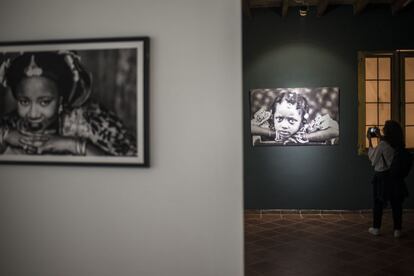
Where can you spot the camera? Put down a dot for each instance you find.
(373, 132)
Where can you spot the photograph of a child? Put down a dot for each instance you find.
(294, 116)
(70, 105)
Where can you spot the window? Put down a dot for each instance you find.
(408, 88)
(385, 91)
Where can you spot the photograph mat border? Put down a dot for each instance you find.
(272, 144)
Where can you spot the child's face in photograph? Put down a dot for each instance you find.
(287, 119)
(37, 102)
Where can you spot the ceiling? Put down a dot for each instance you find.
(321, 6)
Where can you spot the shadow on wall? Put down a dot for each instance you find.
(295, 63)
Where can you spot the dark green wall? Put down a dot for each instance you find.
(314, 52)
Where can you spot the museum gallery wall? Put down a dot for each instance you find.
(122, 220)
(301, 56)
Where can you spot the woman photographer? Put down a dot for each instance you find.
(386, 187)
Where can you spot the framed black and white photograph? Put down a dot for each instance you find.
(294, 116)
(75, 101)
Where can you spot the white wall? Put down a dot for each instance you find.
(182, 216)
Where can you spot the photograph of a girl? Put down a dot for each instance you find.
(295, 116)
(68, 104)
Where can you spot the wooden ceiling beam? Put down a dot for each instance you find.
(398, 5)
(264, 3)
(359, 6)
(285, 7)
(322, 6)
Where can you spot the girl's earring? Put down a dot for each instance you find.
(59, 115)
(60, 108)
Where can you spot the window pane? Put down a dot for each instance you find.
(371, 114)
(371, 91)
(409, 137)
(384, 68)
(384, 113)
(371, 68)
(409, 114)
(384, 91)
(409, 68)
(409, 91)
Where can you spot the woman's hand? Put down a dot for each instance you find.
(378, 133)
(17, 139)
(33, 143)
(52, 144)
(327, 128)
(326, 122)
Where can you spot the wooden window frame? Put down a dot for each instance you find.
(397, 90)
(402, 103)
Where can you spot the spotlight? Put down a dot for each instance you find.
(303, 10)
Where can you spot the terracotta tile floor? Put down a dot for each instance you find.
(326, 244)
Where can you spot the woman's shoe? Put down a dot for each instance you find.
(374, 231)
(397, 234)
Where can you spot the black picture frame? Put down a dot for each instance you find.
(119, 68)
